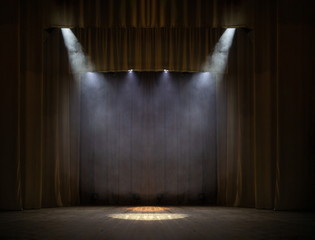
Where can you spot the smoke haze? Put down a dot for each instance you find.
(148, 137)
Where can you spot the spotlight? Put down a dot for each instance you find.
(79, 62)
(130, 70)
(218, 60)
(165, 70)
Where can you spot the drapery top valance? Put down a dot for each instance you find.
(146, 13)
(147, 35)
(146, 49)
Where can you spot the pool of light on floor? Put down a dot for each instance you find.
(148, 214)
(148, 209)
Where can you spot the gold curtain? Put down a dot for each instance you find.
(39, 147)
(235, 142)
(265, 104)
(10, 185)
(266, 119)
(148, 13)
(148, 49)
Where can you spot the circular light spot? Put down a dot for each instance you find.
(148, 209)
(148, 216)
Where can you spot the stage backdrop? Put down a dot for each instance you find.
(148, 138)
(265, 101)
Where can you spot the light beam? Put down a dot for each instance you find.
(79, 62)
(218, 60)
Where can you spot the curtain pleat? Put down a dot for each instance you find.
(147, 49)
(144, 13)
(61, 131)
(10, 164)
(235, 143)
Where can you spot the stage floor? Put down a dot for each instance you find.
(156, 223)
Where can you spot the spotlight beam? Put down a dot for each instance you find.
(79, 63)
(218, 60)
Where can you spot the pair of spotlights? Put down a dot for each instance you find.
(131, 70)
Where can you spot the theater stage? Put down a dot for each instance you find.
(156, 223)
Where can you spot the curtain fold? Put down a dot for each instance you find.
(10, 165)
(61, 128)
(235, 142)
(31, 106)
(39, 163)
(147, 13)
(148, 49)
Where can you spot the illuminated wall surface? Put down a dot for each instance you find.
(148, 138)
